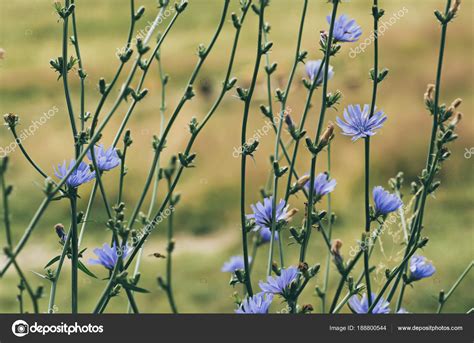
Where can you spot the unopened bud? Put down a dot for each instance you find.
(289, 122)
(336, 253)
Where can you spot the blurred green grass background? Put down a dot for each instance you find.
(207, 218)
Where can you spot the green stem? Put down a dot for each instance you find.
(301, 128)
(329, 234)
(57, 274)
(82, 75)
(390, 278)
(304, 244)
(169, 261)
(64, 75)
(367, 150)
(201, 126)
(184, 99)
(277, 144)
(453, 288)
(29, 290)
(74, 254)
(243, 165)
(351, 266)
(131, 301)
(157, 181)
(430, 163)
(95, 137)
(254, 252)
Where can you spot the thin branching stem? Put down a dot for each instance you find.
(277, 143)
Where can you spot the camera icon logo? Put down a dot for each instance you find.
(20, 328)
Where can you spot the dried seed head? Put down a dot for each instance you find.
(327, 134)
(336, 247)
(456, 120)
(429, 93)
(455, 6)
(291, 213)
(323, 35)
(456, 103)
(2, 53)
(11, 119)
(303, 267)
(302, 181)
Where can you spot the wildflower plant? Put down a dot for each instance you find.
(271, 224)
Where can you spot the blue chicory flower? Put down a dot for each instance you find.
(345, 29)
(235, 263)
(82, 174)
(357, 122)
(385, 202)
(312, 68)
(362, 305)
(420, 268)
(280, 284)
(266, 235)
(108, 256)
(106, 159)
(262, 213)
(322, 186)
(258, 304)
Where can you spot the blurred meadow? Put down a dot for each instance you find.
(207, 225)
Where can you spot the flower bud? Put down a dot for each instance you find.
(336, 253)
(289, 122)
